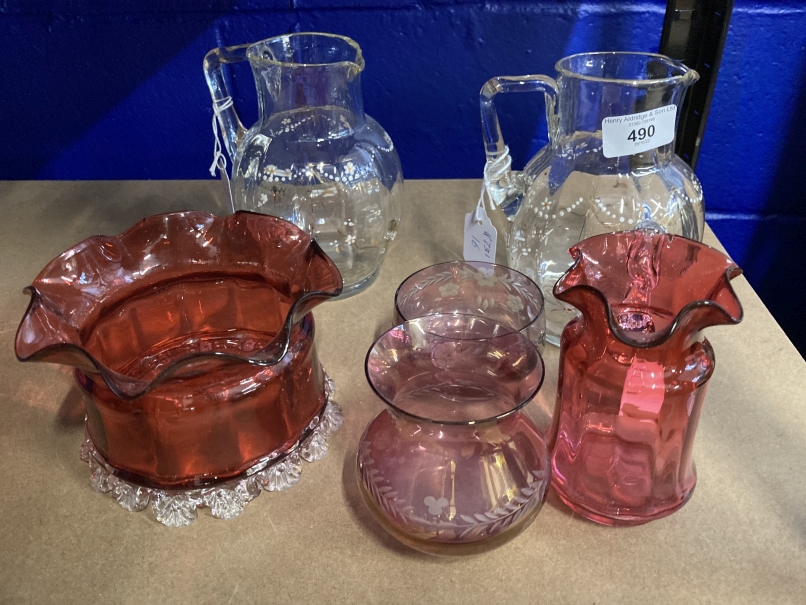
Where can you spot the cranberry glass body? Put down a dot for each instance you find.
(192, 340)
(634, 368)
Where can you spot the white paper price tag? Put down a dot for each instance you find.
(637, 132)
(480, 237)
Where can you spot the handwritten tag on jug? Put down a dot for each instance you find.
(627, 135)
(480, 237)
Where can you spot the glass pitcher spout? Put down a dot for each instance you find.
(327, 63)
(175, 296)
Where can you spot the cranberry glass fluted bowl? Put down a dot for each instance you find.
(192, 342)
(474, 288)
(634, 367)
(453, 466)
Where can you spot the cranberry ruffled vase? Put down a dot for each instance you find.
(193, 346)
(634, 368)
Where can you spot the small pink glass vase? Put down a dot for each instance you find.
(475, 288)
(633, 371)
(193, 346)
(453, 466)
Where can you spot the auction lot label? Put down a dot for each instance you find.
(637, 132)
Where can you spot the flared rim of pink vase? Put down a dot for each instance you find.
(534, 289)
(711, 311)
(499, 331)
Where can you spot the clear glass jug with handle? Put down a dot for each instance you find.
(609, 164)
(313, 157)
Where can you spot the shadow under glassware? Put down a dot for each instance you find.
(496, 292)
(313, 157)
(192, 341)
(634, 368)
(453, 466)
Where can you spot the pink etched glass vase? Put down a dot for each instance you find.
(453, 466)
(633, 371)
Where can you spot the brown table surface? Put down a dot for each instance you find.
(741, 538)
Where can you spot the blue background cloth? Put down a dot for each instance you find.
(114, 90)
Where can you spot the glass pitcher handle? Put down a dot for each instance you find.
(504, 186)
(222, 102)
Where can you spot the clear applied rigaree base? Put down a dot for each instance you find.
(227, 500)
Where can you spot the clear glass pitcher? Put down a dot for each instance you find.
(608, 166)
(313, 157)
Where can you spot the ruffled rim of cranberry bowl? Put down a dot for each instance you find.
(77, 289)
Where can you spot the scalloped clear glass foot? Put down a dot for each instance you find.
(226, 500)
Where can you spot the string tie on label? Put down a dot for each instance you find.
(219, 160)
(494, 170)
